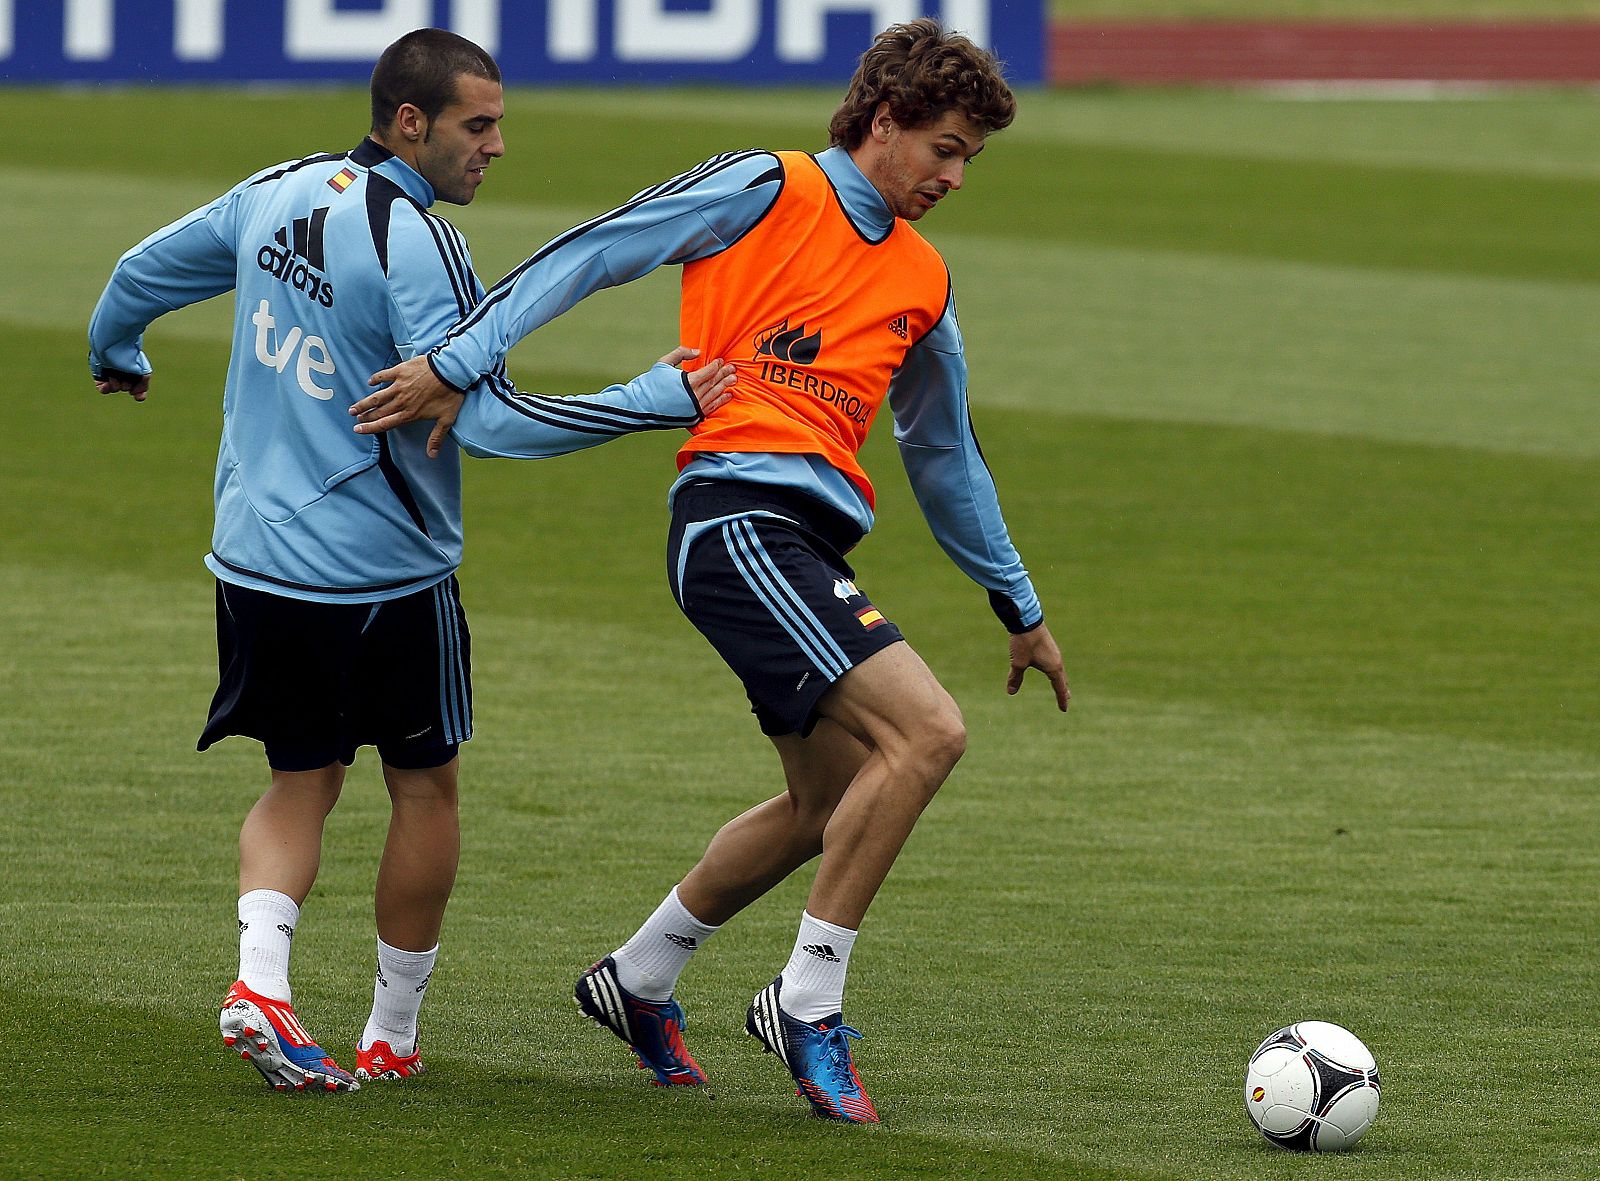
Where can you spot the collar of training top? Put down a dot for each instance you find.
(372, 155)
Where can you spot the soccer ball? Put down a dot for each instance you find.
(1313, 1087)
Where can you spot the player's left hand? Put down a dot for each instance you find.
(1037, 649)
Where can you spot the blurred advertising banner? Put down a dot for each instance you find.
(535, 41)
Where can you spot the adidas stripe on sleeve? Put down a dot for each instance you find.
(431, 280)
(499, 421)
(691, 216)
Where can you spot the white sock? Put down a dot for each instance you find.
(813, 979)
(649, 964)
(397, 994)
(267, 920)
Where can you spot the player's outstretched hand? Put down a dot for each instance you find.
(413, 393)
(114, 381)
(711, 384)
(1037, 649)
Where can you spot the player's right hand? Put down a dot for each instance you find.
(113, 381)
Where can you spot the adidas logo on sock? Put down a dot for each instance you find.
(823, 951)
(687, 942)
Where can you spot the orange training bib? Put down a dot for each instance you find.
(815, 318)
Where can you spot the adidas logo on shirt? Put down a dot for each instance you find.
(294, 256)
(823, 951)
(900, 328)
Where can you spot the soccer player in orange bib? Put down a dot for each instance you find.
(807, 275)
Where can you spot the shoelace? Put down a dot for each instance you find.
(836, 1055)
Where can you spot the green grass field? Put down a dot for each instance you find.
(1292, 409)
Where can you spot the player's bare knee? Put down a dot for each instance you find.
(306, 790)
(944, 738)
(442, 804)
(810, 822)
(433, 788)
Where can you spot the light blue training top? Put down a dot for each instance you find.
(341, 271)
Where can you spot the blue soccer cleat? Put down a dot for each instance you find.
(652, 1029)
(818, 1055)
(268, 1035)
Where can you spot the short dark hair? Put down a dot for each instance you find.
(421, 69)
(922, 71)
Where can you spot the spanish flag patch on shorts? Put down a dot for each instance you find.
(870, 617)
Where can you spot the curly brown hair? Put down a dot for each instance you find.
(922, 71)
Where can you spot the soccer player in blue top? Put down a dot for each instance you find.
(338, 613)
(806, 273)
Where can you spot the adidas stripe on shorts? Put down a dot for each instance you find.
(760, 572)
(315, 681)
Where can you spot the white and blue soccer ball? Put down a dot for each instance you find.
(1312, 1086)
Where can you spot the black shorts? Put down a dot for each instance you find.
(314, 681)
(761, 572)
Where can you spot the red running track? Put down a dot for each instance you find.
(1157, 52)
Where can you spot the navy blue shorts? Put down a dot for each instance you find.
(761, 572)
(314, 681)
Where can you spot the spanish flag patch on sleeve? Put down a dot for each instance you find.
(870, 617)
(341, 180)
